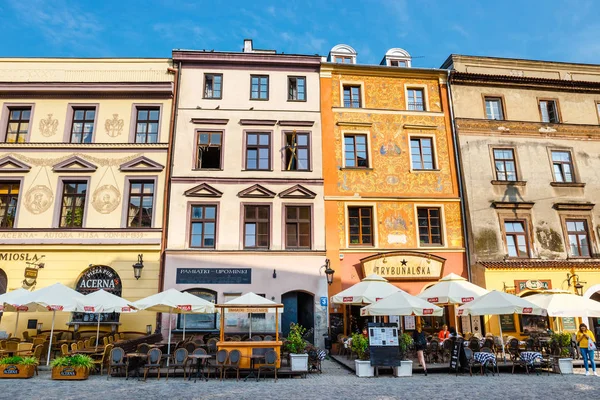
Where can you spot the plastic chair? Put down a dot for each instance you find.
(153, 362)
(269, 365)
(180, 358)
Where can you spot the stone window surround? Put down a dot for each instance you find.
(565, 215)
(485, 96)
(243, 223)
(59, 200)
(431, 136)
(310, 150)
(369, 155)
(4, 119)
(520, 215)
(69, 120)
(374, 225)
(352, 83)
(283, 225)
(197, 133)
(444, 234)
(20, 180)
(245, 132)
(576, 176)
(133, 120)
(423, 87)
(125, 198)
(519, 181)
(188, 223)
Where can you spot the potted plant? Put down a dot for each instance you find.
(360, 345)
(560, 343)
(75, 367)
(295, 345)
(406, 365)
(17, 367)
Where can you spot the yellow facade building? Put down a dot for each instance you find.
(83, 156)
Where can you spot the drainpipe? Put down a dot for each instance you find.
(167, 192)
(461, 191)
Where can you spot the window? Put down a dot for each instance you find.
(343, 59)
(256, 227)
(398, 63)
(504, 163)
(549, 111)
(141, 204)
(82, 127)
(563, 166)
(18, 124)
(73, 204)
(516, 239)
(203, 226)
(209, 150)
(259, 87)
(493, 108)
(212, 86)
(297, 227)
(199, 321)
(258, 151)
(430, 229)
(352, 96)
(9, 197)
(297, 88)
(297, 151)
(146, 128)
(421, 151)
(355, 151)
(360, 223)
(415, 99)
(579, 241)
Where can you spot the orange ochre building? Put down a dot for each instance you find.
(392, 201)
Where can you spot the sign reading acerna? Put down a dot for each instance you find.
(405, 265)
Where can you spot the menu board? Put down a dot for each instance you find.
(383, 336)
(569, 324)
(409, 323)
(507, 322)
(383, 344)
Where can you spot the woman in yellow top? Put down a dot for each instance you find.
(585, 341)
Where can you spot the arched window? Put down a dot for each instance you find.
(199, 322)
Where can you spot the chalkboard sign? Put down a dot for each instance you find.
(507, 322)
(383, 345)
(569, 324)
(455, 355)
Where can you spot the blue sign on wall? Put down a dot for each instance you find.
(324, 301)
(214, 275)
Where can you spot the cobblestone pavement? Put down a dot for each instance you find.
(335, 383)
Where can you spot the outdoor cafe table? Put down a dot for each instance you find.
(201, 360)
(88, 351)
(484, 359)
(253, 359)
(137, 362)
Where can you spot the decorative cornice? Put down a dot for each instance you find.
(540, 264)
(296, 123)
(297, 192)
(466, 78)
(513, 205)
(527, 128)
(86, 146)
(257, 191)
(86, 90)
(574, 206)
(209, 121)
(258, 122)
(425, 127)
(203, 190)
(10, 164)
(247, 59)
(141, 164)
(74, 164)
(351, 123)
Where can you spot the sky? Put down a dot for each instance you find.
(430, 30)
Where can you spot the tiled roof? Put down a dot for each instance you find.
(533, 264)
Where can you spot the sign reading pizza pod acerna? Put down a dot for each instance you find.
(404, 266)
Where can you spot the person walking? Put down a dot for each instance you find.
(420, 344)
(586, 342)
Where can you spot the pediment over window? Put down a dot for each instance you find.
(141, 164)
(257, 191)
(203, 190)
(574, 206)
(523, 205)
(297, 192)
(74, 164)
(11, 164)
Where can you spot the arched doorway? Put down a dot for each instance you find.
(199, 322)
(299, 308)
(3, 285)
(593, 293)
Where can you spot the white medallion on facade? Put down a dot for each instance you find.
(48, 126)
(38, 199)
(106, 199)
(114, 126)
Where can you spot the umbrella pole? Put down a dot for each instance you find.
(51, 334)
(17, 324)
(250, 325)
(169, 346)
(501, 338)
(184, 326)
(98, 331)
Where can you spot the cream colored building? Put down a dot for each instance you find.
(529, 135)
(83, 151)
(246, 201)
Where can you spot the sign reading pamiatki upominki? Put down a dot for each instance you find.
(406, 266)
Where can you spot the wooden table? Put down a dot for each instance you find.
(200, 361)
(136, 366)
(88, 351)
(246, 349)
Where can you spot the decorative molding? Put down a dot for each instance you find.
(209, 121)
(10, 164)
(516, 78)
(38, 199)
(574, 206)
(74, 164)
(508, 183)
(98, 89)
(513, 205)
(106, 199)
(351, 123)
(297, 192)
(258, 122)
(141, 164)
(296, 123)
(527, 128)
(203, 190)
(114, 126)
(423, 127)
(568, 184)
(48, 126)
(256, 191)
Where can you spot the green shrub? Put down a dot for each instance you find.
(78, 360)
(295, 342)
(17, 360)
(360, 345)
(404, 342)
(560, 343)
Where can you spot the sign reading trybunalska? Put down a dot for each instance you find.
(214, 275)
(405, 265)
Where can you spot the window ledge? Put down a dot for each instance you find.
(296, 101)
(207, 169)
(296, 170)
(257, 170)
(355, 169)
(568, 184)
(509, 183)
(425, 170)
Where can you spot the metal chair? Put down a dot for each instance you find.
(233, 363)
(153, 362)
(433, 350)
(471, 361)
(180, 358)
(116, 362)
(269, 365)
(220, 361)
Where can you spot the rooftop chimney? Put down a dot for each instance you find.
(248, 46)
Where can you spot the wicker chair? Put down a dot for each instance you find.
(268, 338)
(64, 349)
(233, 364)
(73, 346)
(256, 338)
(26, 336)
(143, 348)
(12, 347)
(190, 347)
(269, 365)
(38, 341)
(37, 354)
(180, 358)
(153, 362)
(221, 359)
(116, 362)
(471, 362)
(102, 361)
(433, 352)
(474, 344)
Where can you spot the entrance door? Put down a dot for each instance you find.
(298, 308)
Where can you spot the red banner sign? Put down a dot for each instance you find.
(467, 299)
(89, 309)
(22, 308)
(378, 298)
(348, 299)
(460, 312)
(433, 299)
(185, 307)
(427, 311)
(125, 309)
(527, 310)
(54, 308)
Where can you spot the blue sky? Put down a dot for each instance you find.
(560, 30)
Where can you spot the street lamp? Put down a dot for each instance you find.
(137, 267)
(577, 284)
(328, 272)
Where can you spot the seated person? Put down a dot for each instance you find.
(444, 333)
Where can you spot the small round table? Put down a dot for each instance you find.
(136, 364)
(200, 361)
(253, 359)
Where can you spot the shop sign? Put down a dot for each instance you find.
(533, 284)
(404, 266)
(256, 310)
(185, 307)
(99, 277)
(213, 276)
(11, 370)
(507, 322)
(27, 257)
(569, 323)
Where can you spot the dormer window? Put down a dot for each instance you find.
(397, 57)
(397, 63)
(342, 54)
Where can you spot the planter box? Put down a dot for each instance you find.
(364, 369)
(16, 371)
(565, 365)
(299, 362)
(70, 373)
(405, 368)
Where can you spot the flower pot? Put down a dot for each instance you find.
(70, 373)
(565, 365)
(364, 368)
(405, 368)
(299, 362)
(10, 371)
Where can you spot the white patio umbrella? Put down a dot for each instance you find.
(250, 299)
(402, 303)
(499, 303)
(452, 289)
(101, 301)
(367, 291)
(560, 303)
(53, 298)
(13, 300)
(174, 301)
